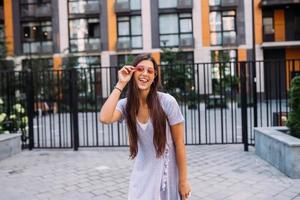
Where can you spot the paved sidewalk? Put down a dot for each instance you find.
(216, 172)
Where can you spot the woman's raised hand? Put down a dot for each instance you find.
(125, 74)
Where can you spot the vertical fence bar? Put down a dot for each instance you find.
(244, 105)
(30, 107)
(74, 108)
(254, 89)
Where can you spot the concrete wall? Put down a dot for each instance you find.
(279, 149)
(10, 144)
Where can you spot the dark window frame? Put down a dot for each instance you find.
(179, 33)
(130, 36)
(39, 39)
(38, 3)
(222, 31)
(268, 37)
(82, 38)
(133, 10)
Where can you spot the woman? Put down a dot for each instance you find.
(156, 130)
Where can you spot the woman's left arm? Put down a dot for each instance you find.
(178, 138)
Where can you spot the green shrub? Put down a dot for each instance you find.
(294, 100)
(13, 122)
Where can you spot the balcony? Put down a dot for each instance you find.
(266, 3)
(43, 11)
(229, 3)
(92, 8)
(36, 11)
(123, 45)
(37, 47)
(93, 44)
(185, 4)
(122, 7)
(187, 42)
(89, 45)
(281, 44)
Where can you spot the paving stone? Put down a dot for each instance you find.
(215, 172)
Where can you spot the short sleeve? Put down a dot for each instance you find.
(121, 108)
(173, 110)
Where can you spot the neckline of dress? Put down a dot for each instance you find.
(143, 123)
(143, 126)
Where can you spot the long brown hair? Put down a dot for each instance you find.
(157, 114)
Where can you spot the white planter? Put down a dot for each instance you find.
(279, 149)
(10, 144)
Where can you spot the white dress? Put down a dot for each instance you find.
(155, 178)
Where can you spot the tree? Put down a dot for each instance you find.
(178, 76)
(294, 115)
(223, 81)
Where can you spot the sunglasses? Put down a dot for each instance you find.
(141, 68)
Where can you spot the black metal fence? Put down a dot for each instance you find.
(221, 102)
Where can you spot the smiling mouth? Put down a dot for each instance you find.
(143, 80)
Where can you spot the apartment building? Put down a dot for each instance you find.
(107, 32)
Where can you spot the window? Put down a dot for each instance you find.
(83, 6)
(175, 27)
(35, 8)
(268, 26)
(167, 3)
(84, 34)
(135, 5)
(222, 28)
(127, 5)
(214, 2)
(37, 37)
(292, 23)
(130, 31)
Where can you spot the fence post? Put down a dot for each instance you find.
(254, 98)
(30, 107)
(74, 108)
(244, 105)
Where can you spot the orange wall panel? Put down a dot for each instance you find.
(279, 25)
(292, 53)
(57, 62)
(156, 57)
(9, 29)
(258, 22)
(112, 25)
(242, 54)
(205, 23)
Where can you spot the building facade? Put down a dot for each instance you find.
(107, 32)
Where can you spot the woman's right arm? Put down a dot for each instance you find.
(106, 115)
